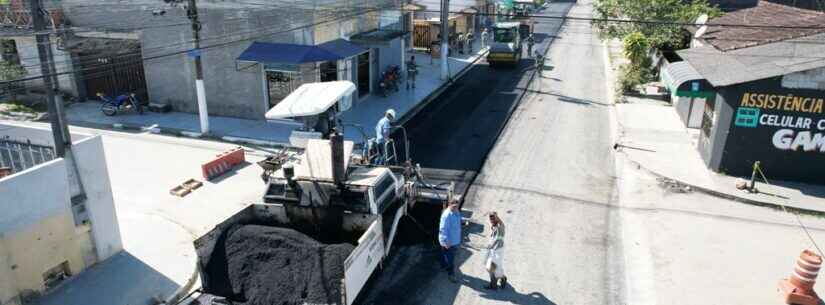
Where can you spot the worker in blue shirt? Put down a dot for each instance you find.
(449, 237)
(382, 135)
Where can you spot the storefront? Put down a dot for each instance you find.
(285, 67)
(689, 92)
(782, 127)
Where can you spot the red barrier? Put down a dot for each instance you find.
(223, 163)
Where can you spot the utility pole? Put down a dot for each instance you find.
(445, 38)
(60, 130)
(192, 13)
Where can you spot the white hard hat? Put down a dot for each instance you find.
(391, 112)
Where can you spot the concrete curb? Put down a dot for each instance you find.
(728, 196)
(701, 189)
(272, 144)
(437, 92)
(180, 133)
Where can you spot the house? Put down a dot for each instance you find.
(58, 214)
(145, 47)
(465, 17)
(757, 93)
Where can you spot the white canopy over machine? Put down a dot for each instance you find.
(313, 99)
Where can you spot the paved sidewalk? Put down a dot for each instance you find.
(365, 113)
(652, 135)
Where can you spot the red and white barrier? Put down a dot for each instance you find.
(223, 163)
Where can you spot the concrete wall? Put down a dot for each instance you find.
(100, 205)
(39, 215)
(38, 230)
(27, 49)
(811, 79)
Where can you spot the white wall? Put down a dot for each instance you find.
(811, 79)
(100, 204)
(37, 193)
(91, 161)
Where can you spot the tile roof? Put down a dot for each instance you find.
(764, 14)
(758, 62)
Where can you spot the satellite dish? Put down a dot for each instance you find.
(701, 20)
(701, 31)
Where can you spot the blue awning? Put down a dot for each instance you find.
(265, 52)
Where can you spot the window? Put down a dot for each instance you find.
(708, 116)
(56, 275)
(383, 186)
(280, 84)
(503, 35)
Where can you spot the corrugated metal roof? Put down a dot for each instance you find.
(678, 73)
(759, 62)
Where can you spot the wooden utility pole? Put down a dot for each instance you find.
(203, 113)
(60, 130)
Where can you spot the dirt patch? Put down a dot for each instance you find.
(278, 266)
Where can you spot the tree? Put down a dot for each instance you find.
(659, 35)
(11, 71)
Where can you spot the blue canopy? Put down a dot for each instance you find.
(296, 54)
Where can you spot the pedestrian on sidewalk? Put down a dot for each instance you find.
(470, 37)
(412, 70)
(495, 251)
(530, 42)
(382, 135)
(449, 237)
(484, 36)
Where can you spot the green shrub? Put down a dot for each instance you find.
(631, 76)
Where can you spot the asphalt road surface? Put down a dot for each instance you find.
(458, 129)
(549, 174)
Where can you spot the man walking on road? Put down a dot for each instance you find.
(530, 42)
(449, 237)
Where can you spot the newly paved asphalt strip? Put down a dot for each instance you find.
(457, 131)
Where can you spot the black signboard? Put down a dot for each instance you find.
(781, 127)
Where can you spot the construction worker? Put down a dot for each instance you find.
(484, 36)
(382, 135)
(530, 42)
(412, 70)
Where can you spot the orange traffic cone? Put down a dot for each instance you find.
(799, 289)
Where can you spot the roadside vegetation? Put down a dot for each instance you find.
(639, 38)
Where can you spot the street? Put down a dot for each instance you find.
(549, 174)
(607, 200)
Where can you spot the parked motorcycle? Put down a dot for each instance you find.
(390, 80)
(121, 103)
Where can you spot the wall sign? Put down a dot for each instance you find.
(797, 119)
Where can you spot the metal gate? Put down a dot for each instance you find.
(19, 156)
(422, 38)
(114, 74)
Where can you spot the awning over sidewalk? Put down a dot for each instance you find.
(284, 53)
(683, 80)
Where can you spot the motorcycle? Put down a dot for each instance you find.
(121, 103)
(390, 80)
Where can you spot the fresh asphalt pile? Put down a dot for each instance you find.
(270, 265)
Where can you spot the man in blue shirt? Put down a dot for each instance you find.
(449, 237)
(382, 134)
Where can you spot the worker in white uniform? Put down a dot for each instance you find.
(382, 135)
